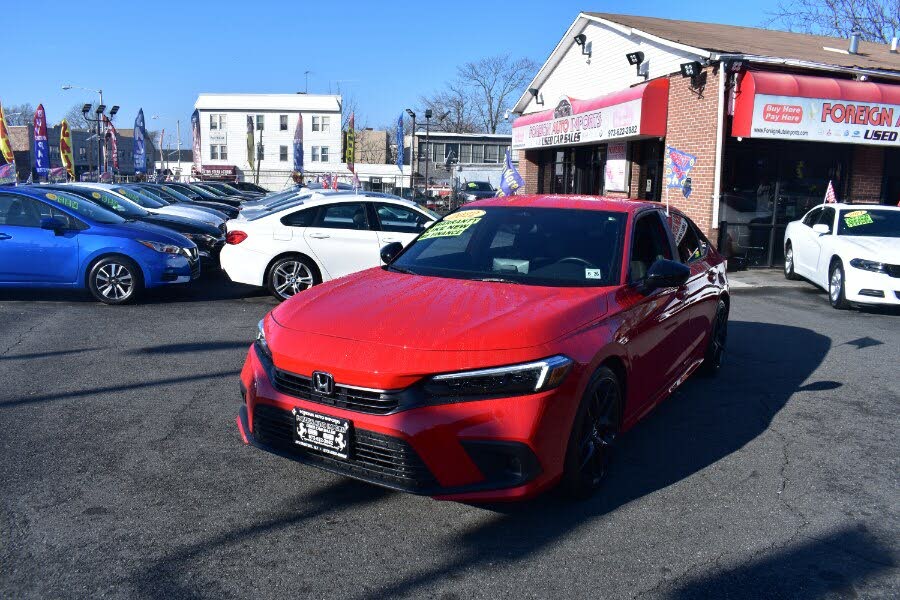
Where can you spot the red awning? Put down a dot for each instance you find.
(638, 111)
(805, 107)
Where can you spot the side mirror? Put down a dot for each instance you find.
(821, 228)
(56, 224)
(390, 252)
(666, 273)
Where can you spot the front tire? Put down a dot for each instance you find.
(718, 338)
(290, 275)
(789, 263)
(594, 432)
(836, 286)
(115, 280)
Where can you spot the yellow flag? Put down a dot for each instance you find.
(65, 148)
(5, 146)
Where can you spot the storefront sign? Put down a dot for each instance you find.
(218, 136)
(611, 122)
(615, 179)
(219, 171)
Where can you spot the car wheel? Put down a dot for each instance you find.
(789, 263)
(593, 435)
(115, 280)
(836, 285)
(290, 275)
(718, 337)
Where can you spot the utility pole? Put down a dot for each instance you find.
(258, 159)
(178, 133)
(427, 146)
(412, 156)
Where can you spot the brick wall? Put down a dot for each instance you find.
(866, 174)
(529, 169)
(692, 129)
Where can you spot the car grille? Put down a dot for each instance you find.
(300, 386)
(223, 228)
(374, 457)
(892, 270)
(195, 267)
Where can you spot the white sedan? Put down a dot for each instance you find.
(853, 251)
(317, 237)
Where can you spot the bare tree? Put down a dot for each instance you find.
(76, 118)
(19, 114)
(493, 82)
(876, 20)
(453, 109)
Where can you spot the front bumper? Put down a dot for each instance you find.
(488, 450)
(866, 287)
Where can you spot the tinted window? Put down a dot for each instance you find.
(392, 217)
(827, 218)
(812, 217)
(690, 246)
(648, 245)
(343, 216)
(139, 198)
(478, 186)
(300, 218)
(83, 208)
(110, 201)
(879, 223)
(535, 246)
(19, 211)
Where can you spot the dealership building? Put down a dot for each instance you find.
(741, 128)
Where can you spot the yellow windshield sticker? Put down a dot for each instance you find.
(95, 195)
(863, 219)
(449, 228)
(464, 215)
(855, 213)
(51, 196)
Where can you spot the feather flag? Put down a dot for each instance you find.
(5, 146)
(139, 152)
(8, 173)
(41, 146)
(65, 149)
(510, 180)
(399, 141)
(195, 135)
(334, 182)
(351, 144)
(251, 143)
(112, 140)
(830, 196)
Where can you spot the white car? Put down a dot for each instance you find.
(150, 204)
(317, 237)
(851, 250)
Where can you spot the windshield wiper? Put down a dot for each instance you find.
(496, 280)
(401, 270)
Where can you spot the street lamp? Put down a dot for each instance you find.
(177, 141)
(412, 154)
(84, 111)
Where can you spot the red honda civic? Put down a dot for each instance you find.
(501, 353)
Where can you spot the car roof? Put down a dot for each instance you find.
(848, 206)
(33, 191)
(578, 202)
(318, 197)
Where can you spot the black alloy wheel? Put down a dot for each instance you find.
(594, 434)
(718, 338)
(115, 280)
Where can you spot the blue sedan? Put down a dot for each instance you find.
(56, 239)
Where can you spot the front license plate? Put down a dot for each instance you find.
(328, 435)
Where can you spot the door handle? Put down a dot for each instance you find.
(319, 236)
(5, 236)
(389, 239)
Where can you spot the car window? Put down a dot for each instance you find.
(19, 211)
(110, 201)
(690, 246)
(139, 198)
(648, 245)
(812, 217)
(826, 217)
(300, 218)
(83, 208)
(399, 219)
(351, 215)
(870, 222)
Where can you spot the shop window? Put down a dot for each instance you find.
(437, 153)
(477, 153)
(491, 153)
(448, 148)
(465, 153)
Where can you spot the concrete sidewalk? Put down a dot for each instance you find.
(762, 278)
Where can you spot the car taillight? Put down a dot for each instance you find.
(235, 237)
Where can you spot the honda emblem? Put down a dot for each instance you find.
(323, 383)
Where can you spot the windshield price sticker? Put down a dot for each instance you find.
(95, 195)
(454, 224)
(51, 196)
(858, 217)
(593, 274)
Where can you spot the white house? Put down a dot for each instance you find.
(223, 134)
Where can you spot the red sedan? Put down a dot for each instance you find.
(501, 353)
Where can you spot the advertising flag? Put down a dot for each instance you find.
(162, 159)
(7, 174)
(5, 146)
(326, 181)
(140, 152)
(41, 145)
(334, 181)
(351, 144)
(57, 175)
(112, 140)
(356, 183)
(65, 149)
(251, 143)
(510, 180)
(399, 141)
(195, 133)
(830, 196)
(678, 165)
(298, 146)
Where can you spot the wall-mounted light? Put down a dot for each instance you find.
(694, 71)
(586, 46)
(736, 66)
(636, 59)
(536, 94)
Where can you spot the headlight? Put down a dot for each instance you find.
(868, 265)
(162, 247)
(261, 339)
(527, 378)
(200, 238)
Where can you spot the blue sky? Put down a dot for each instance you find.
(160, 55)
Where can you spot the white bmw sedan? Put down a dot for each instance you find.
(853, 251)
(317, 237)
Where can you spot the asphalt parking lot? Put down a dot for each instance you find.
(123, 474)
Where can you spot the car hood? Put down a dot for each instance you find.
(882, 249)
(190, 213)
(432, 313)
(183, 224)
(152, 233)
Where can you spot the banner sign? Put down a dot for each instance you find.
(65, 149)
(607, 123)
(678, 165)
(7, 174)
(841, 121)
(510, 180)
(615, 174)
(57, 175)
(218, 136)
(399, 141)
(139, 152)
(41, 145)
(298, 145)
(5, 146)
(351, 144)
(112, 140)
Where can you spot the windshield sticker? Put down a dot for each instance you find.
(854, 220)
(464, 215)
(855, 213)
(447, 228)
(51, 196)
(95, 195)
(593, 274)
(473, 185)
(64, 201)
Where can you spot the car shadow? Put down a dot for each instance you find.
(705, 421)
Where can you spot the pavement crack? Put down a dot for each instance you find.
(21, 338)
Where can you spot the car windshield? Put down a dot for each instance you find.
(478, 186)
(139, 197)
(210, 189)
(868, 222)
(111, 201)
(156, 194)
(84, 208)
(272, 198)
(199, 192)
(225, 189)
(174, 194)
(535, 246)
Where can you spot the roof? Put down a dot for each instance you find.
(849, 206)
(566, 201)
(436, 134)
(733, 39)
(283, 102)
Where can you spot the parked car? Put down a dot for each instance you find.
(56, 239)
(270, 199)
(853, 251)
(475, 190)
(199, 194)
(164, 193)
(135, 198)
(209, 238)
(228, 190)
(316, 238)
(502, 352)
(246, 186)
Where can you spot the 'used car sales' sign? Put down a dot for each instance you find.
(608, 123)
(842, 121)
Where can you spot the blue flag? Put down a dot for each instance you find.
(41, 146)
(510, 180)
(139, 153)
(400, 149)
(298, 145)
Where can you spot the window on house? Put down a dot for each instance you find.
(316, 123)
(465, 153)
(218, 121)
(454, 148)
(490, 153)
(214, 152)
(260, 122)
(282, 123)
(326, 124)
(223, 152)
(477, 153)
(283, 153)
(437, 152)
(324, 153)
(315, 153)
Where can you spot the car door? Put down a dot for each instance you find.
(398, 223)
(802, 243)
(654, 323)
(342, 238)
(29, 254)
(818, 253)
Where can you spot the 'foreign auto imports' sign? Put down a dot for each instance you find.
(607, 123)
(842, 121)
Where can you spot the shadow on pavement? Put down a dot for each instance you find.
(188, 348)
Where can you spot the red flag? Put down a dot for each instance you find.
(112, 138)
(334, 182)
(830, 197)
